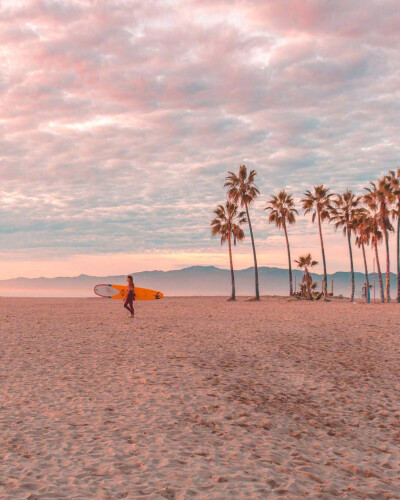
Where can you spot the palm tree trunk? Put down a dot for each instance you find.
(325, 287)
(387, 291)
(367, 295)
(351, 264)
(290, 263)
(378, 267)
(254, 254)
(233, 295)
(308, 283)
(398, 257)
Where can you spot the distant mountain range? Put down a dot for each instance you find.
(195, 280)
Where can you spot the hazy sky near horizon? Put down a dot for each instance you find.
(119, 120)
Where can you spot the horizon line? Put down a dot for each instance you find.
(184, 269)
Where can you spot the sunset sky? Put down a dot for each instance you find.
(119, 120)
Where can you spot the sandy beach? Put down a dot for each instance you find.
(199, 397)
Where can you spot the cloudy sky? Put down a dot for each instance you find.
(120, 118)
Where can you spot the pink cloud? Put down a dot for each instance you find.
(117, 105)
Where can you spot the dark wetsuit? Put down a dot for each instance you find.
(128, 304)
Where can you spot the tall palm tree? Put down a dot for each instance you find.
(394, 181)
(306, 262)
(376, 238)
(318, 204)
(379, 198)
(363, 229)
(227, 224)
(282, 212)
(242, 190)
(344, 214)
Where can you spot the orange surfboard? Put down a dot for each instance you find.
(121, 291)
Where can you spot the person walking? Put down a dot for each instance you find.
(128, 304)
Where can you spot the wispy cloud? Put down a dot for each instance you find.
(119, 120)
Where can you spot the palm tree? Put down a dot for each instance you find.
(318, 204)
(306, 262)
(243, 191)
(379, 198)
(282, 212)
(376, 237)
(227, 224)
(363, 229)
(394, 181)
(344, 214)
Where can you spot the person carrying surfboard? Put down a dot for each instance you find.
(128, 304)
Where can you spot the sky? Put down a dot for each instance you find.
(120, 119)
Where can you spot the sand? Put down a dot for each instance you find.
(199, 397)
